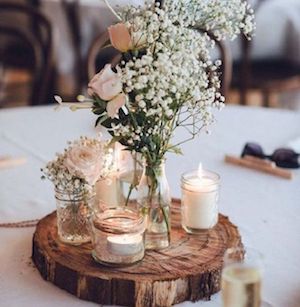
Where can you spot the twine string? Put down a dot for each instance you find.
(21, 224)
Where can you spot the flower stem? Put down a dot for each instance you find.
(165, 216)
(112, 10)
(129, 193)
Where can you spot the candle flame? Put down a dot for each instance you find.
(200, 171)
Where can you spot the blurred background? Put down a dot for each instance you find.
(51, 47)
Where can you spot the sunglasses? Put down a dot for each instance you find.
(283, 157)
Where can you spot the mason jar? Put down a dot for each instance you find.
(73, 213)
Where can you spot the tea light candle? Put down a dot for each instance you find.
(200, 191)
(118, 236)
(125, 244)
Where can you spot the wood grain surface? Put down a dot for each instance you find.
(189, 269)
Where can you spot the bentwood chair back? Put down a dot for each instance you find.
(226, 59)
(72, 12)
(99, 55)
(36, 36)
(267, 75)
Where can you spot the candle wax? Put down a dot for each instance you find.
(199, 198)
(108, 191)
(125, 244)
(198, 184)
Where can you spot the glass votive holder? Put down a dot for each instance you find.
(199, 203)
(73, 213)
(118, 237)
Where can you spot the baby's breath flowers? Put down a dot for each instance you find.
(77, 169)
(224, 18)
(165, 79)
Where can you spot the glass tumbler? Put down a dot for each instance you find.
(242, 278)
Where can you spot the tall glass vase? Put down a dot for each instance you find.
(153, 198)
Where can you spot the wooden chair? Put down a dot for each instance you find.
(39, 42)
(268, 76)
(98, 55)
(225, 57)
(95, 62)
(72, 13)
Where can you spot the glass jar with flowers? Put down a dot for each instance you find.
(74, 174)
(154, 201)
(166, 80)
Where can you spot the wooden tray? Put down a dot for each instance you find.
(189, 269)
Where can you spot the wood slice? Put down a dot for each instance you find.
(189, 269)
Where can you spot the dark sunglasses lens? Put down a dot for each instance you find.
(284, 157)
(253, 149)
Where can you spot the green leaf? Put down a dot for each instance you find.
(114, 140)
(100, 120)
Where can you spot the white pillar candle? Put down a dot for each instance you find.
(124, 245)
(108, 191)
(200, 192)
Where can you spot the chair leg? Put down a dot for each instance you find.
(269, 98)
(243, 96)
(266, 98)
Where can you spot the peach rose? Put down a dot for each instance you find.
(84, 162)
(115, 104)
(120, 37)
(106, 84)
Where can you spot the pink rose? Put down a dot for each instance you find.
(120, 37)
(106, 84)
(115, 104)
(84, 162)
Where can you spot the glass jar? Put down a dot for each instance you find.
(199, 201)
(242, 278)
(154, 200)
(118, 237)
(73, 212)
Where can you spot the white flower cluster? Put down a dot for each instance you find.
(221, 17)
(174, 74)
(71, 170)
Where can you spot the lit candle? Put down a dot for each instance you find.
(108, 192)
(125, 245)
(118, 236)
(200, 191)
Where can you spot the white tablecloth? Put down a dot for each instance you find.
(266, 208)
